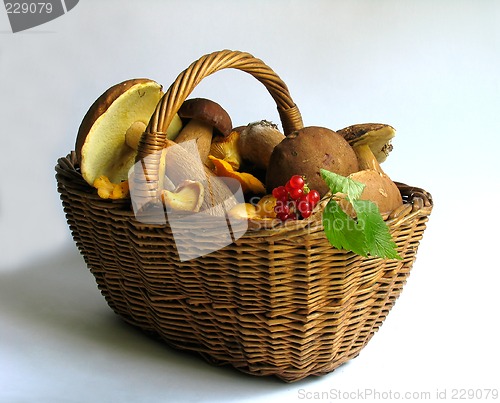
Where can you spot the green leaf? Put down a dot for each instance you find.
(342, 231)
(340, 184)
(379, 241)
(368, 235)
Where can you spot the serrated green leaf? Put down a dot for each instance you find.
(342, 231)
(368, 235)
(378, 239)
(341, 184)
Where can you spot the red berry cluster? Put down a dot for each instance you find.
(294, 200)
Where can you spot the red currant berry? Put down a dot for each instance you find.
(283, 199)
(295, 193)
(302, 202)
(279, 192)
(292, 216)
(282, 216)
(306, 213)
(304, 206)
(281, 208)
(296, 182)
(313, 197)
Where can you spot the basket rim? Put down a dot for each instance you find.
(416, 202)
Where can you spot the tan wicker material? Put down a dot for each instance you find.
(279, 301)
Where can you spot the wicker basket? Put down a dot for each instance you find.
(276, 301)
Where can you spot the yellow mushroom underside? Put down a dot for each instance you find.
(105, 151)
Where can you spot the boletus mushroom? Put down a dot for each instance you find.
(379, 189)
(257, 141)
(106, 143)
(248, 147)
(305, 152)
(205, 118)
(372, 144)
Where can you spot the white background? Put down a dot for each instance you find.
(429, 68)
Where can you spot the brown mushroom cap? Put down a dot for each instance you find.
(257, 142)
(380, 189)
(305, 152)
(376, 135)
(101, 147)
(209, 112)
(100, 106)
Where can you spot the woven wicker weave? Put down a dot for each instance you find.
(277, 301)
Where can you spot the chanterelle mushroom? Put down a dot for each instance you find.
(227, 148)
(206, 118)
(188, 196)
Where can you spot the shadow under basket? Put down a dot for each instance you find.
(279, 301)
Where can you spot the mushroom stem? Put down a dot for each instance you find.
(136, 130)
(174, 127)
(199, 131)
(366, 158)
(134, 133)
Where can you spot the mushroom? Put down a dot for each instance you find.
(108, 190)
(305, 152)
(134, 133)
(248, 182)
(243, 211)
(101, 144)
(371, 142)
(379, 189)
(254, 219)
(227, 148)
(257, 142)
(251, 145)
(206, 118)
(265, 206)
(136, 130)
(187, 197)
(179, 163)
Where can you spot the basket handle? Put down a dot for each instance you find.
(154, 138)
